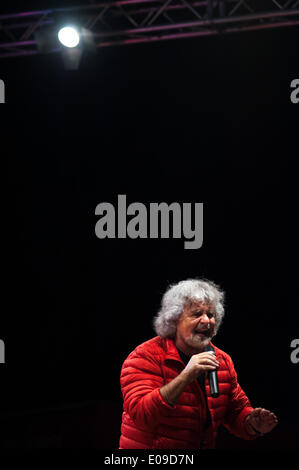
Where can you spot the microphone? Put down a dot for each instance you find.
(213, 379)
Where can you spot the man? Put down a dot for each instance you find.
(164, 381)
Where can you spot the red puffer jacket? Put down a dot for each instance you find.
(149, 422)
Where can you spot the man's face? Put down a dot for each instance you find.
(195, 327)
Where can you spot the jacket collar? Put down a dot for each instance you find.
(171, 351)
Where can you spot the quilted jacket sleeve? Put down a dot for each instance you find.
(141, 379)
(239, 407)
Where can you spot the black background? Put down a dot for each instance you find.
(206, 120)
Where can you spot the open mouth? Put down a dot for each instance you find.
(205, 333)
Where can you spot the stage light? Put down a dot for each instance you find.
(69, 36)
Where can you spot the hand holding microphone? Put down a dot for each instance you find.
(198, 363)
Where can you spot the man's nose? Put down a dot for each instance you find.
(204, 319)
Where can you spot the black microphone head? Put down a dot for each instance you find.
(209, 348)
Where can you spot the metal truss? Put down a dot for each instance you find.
(126, 22)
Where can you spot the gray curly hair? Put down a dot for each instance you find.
(178, 295)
